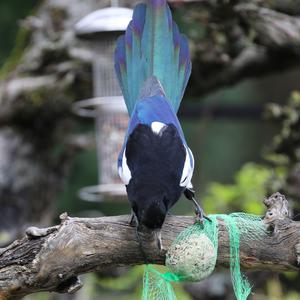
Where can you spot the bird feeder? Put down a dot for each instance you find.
(100, 29)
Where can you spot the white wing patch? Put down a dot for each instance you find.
(124, 171)
(157, 127)
(188, 169)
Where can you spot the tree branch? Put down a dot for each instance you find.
(242, 40)
(50, 259)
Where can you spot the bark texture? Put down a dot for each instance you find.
(51, 259)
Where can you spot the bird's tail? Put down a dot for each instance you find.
(152, 46)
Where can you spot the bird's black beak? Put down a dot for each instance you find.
(157, 236)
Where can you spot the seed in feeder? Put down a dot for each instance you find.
(193, 258)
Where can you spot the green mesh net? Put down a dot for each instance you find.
(157, 285)
(193, 255)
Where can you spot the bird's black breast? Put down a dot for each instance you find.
(156, 160)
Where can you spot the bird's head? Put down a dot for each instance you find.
(151, 219)
(150, 209)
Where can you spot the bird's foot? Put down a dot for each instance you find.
(169, 214)
(133, 221)
(200, 215)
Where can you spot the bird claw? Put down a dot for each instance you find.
(200, 215)
(133, 221)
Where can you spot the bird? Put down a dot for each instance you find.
(153, 66)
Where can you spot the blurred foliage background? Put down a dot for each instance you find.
(10, 13)
(243, 153)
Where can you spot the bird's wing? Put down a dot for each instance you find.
(155, 111)
(188, 169)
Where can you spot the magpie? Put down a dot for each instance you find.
(152, 63)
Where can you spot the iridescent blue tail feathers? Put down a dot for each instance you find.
(152, 47)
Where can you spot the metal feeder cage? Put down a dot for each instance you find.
(101, 28)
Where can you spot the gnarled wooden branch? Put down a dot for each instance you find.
(50, 259)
